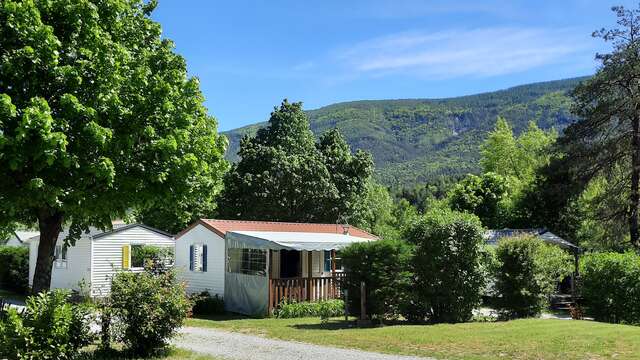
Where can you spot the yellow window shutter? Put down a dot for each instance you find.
(126, 256)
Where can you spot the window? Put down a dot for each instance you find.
(327, 261)
(142, 255)
(247, 261)
(137, 256)
(198, 258)
(60, 257)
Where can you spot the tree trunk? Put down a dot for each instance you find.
(634, 202)
(50, 227)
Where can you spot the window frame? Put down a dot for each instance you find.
(247, 261)
(327, 260)
(60, 257)
(197, 259)
(131, 265)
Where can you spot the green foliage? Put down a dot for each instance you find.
(604, 142)
(526, 274)
(483, 196)
(376, 212)
(383, 265)
(323, 309)
(446, 266)
(596, 229)
(420, 141)
(610, 285)
(516, 158)
(149, 255)
(554, 264)
(14, 272)
(204, 304)
(49, 328)
(97, 117)
(150, 309)
(519, 293)
(283, 175)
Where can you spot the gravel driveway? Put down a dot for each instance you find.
(231, 345)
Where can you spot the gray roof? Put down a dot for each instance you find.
(22, 235)
(492, 237)
(96, 233)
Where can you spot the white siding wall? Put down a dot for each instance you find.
(78, 265)
(107, 254)
(212, 280)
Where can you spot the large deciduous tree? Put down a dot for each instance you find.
(607, 136)
(97, 117)
(284, 175)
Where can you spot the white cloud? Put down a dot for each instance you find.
(478, 52)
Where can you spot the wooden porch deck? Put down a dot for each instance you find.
(304, 289)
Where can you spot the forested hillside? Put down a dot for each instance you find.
(419, 140)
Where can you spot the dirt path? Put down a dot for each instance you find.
(231, 345)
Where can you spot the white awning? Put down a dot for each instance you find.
(292, 240)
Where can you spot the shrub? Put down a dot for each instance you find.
(148, 309)
(519, 293)
(205, 304)
(323, 309)
(383, 266)
(14, 272)
(554, 265)
(446, 264)
(526, 274)
(49, 328)
(610, 285)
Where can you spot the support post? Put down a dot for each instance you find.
(309, 274)
(270, 282)
(576, 274)
(334, 284)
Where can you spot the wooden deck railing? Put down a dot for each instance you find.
(304, 289)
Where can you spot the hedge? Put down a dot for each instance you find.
(610, 285)
(14, 272)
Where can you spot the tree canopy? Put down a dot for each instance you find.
(606, 140)
(97, 117)
(284, 175)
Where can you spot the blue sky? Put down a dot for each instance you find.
(249, 55)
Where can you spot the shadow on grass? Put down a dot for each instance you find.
(345, 325)
(120, 354)
(225, 317)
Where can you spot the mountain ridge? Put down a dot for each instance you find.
(418, 140)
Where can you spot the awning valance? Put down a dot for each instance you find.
(291, 240)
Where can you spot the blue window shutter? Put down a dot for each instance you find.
(204, 258)
(327, 261)
(191, 257)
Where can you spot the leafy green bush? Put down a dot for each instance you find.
(527, 273)
(519, 293)
(148, 309)
(205, 304)
(446, 265)
(610, 285)
(14, 272)
(323, 309)
(384, 267)
(554, 264)
(49, 328)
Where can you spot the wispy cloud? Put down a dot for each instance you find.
(481, 52)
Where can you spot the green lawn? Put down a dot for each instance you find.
(519, 339)
(171, 354)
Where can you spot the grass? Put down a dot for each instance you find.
(10, 295)
(169, 354)
(518, 339)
